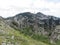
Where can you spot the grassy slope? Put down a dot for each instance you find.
(8, 34)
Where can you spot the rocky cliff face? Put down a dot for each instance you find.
(38, 24)
(35, 21)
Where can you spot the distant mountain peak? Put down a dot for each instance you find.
(39, 13)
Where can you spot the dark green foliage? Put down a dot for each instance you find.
(58, 42)
(0, 25)
(15, 23)
(41, 38)
(27, 31)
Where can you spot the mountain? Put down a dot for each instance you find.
(10, 36)
(29, 27)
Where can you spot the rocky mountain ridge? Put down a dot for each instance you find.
(35, 24)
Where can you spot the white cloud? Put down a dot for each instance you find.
(12, 7)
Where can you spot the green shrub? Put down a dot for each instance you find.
(15, 23)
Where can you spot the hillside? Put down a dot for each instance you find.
(10, 36)
(30, 29)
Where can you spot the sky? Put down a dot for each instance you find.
(12, 7)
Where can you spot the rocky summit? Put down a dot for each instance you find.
(30, 29)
